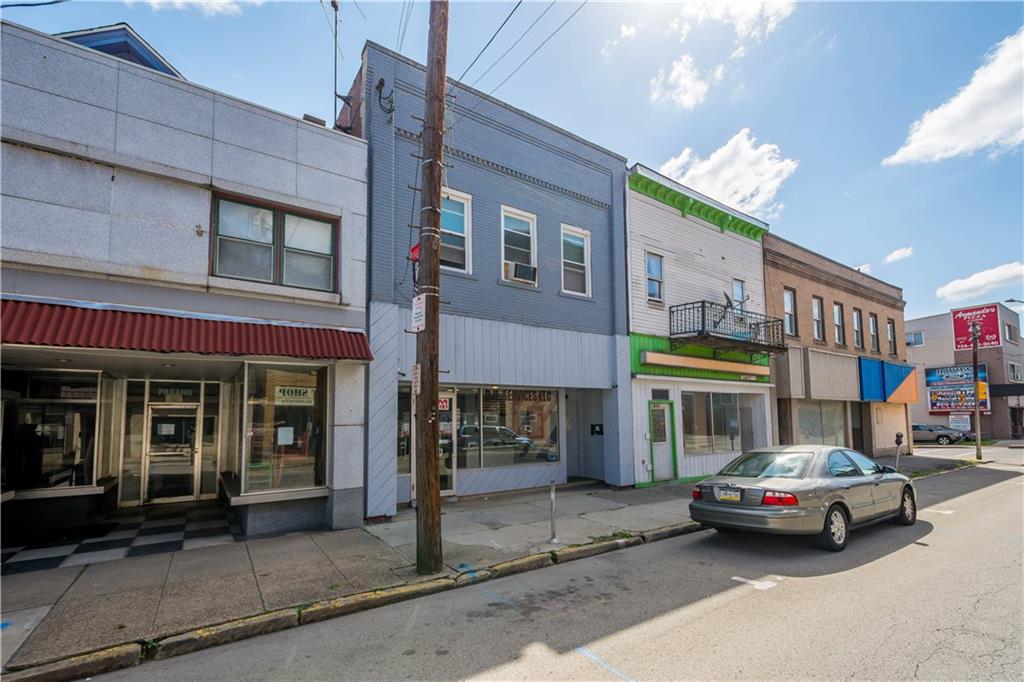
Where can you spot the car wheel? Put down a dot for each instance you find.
(943, 440)
(908, 509)
(836, 531)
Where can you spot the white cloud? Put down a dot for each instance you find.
(207, 7)
(983, 282)
(626, 31)
(741, 174)
(739, 53)
(985, 114)
(682, 84)
(831, 43)
(901, 253)
(752, 20)
(718, 73)
(681, 27)
(866, 268)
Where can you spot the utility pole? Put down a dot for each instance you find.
(975, 334)
(428, 485)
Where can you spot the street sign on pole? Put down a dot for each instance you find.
(417, 378)
(419, 312)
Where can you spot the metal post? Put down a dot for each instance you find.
(975, 333)
(897, 457)
(554, 537)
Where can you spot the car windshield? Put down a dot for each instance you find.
(768, 465)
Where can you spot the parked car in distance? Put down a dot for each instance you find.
(936, 433)
(820, 490)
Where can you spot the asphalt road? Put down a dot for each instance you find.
(938, 600)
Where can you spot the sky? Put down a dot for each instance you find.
(887, 136)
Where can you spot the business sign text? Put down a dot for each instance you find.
(987, 319)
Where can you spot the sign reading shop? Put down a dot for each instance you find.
(295, 395)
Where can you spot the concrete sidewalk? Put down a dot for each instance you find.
(51, 614)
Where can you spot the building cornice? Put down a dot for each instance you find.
(803, 269)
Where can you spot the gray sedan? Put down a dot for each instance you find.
(818, 490)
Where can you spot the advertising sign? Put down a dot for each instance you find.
(960, 422)
(294, 395)
(951, 389)
(987, 318)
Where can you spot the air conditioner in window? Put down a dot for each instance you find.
(518, 272)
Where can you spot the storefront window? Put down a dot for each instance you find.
(134, 426)
(822, 421)
(285, 427)
(404, 430)
(696, 422)
(722, 422)
(211, 436)
(469, 429)
(519, 426)
(49, 429)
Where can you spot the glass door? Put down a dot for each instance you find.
(447, 445)
(171, 452)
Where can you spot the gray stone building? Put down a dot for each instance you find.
(184, 296)
(534, 349)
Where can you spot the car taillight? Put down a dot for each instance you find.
(697, 494)
(779, 499)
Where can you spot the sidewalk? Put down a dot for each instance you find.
(54, 613)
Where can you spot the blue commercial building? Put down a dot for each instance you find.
(534, 343)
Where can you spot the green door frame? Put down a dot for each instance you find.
(650, 441)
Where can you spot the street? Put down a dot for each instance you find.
(938, 600)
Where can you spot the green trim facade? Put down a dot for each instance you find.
(638, 343)
(688, 205)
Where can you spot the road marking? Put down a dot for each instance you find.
(756, 584)
(939, 511)
(587, 653)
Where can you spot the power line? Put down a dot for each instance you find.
(31, 4)
(512, 46)
(405, 26)
(491, 40)
(398, 33)
(331, 28)
(361, 12)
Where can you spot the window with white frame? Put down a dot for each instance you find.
(890, 335)
(1016, 373)
(575, 261)
(518, 246)
(915, 338)
(858, 328)
(818, 317)
(655, 282)
(456, 230)
(739, 293)
(839, 322)
(789, 311)
(873, 331)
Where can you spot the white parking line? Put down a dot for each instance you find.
(939, 511)
(756, 584)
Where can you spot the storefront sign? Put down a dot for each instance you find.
(516, 395)
(295, 395)
(419, 312)
(987, 319)
(951, 389)
(960, 422)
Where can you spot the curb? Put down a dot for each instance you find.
(84, 665)
(222, 634)
(972, 465)
(127, 655)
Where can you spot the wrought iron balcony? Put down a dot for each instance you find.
(725, 328)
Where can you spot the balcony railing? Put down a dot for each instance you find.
(723, 327)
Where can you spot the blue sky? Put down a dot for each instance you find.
(784, 110)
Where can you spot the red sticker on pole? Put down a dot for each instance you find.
(414, 254)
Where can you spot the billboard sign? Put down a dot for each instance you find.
(987, 318)
(960, 422)
(951, 389)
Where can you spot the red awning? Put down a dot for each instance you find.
(46, 324)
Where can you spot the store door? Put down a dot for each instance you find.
(662, 434)
(448, 441)
(171, 454)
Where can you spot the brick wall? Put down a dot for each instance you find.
(809, 274)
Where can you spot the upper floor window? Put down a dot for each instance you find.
(456, 227)
(654, 278)
(276, 246)
(890, 335)
(915, 338)
(1016, 374)
(518, 246)
(839, 323)
(739, 294)
(575, 261)
(789, 311)
(873, 331)
(818, 318)
(858, 328)
(1010, 332)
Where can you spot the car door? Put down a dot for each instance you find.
(922, 434)
(856, 488)
(887, 487)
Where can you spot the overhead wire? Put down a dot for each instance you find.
(517, 41)
(490, 40)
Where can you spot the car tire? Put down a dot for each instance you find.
(943, 440)
(907, 515)
(835, 532)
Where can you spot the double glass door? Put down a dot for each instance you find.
(172, 449)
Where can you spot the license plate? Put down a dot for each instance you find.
(729, 495)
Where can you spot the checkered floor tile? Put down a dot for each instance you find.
(133, 532)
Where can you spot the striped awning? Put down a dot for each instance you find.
(48, 324)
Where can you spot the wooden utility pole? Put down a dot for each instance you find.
(975, 334)
(428, 486)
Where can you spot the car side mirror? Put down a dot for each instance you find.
(888, 470)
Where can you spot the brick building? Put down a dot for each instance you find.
(844, 379)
